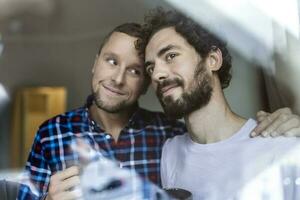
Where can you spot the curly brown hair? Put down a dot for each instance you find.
(201, 39)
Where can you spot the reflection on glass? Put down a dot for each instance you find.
(281, 181)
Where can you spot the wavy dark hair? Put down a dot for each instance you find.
(201, 39)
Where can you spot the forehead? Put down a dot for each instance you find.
(122, 45)
(164, 37)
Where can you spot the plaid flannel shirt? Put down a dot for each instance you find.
(138, 147)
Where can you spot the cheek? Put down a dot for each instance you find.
(187, 72)
(102, 68)
(102, 73)
(95, 79)
(95, 84)
(187, 80)
(96, 73)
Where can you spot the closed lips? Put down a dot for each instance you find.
(114, 90)
(167, 88)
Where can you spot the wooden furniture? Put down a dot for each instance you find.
(32, 106)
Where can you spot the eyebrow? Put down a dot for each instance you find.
(162, 51)
(110, 54)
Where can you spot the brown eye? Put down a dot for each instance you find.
(134, 71)
(112, 61)
(170, 56)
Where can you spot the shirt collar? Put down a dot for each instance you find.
(139, 119)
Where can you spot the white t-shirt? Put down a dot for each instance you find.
(217, 171)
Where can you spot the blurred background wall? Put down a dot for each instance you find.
(54, 44)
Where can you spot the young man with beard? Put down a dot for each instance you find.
(189, 68)
(111, 121)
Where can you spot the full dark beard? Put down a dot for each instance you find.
(197, 97)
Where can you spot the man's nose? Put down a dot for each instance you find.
(160, 73)
(119, 76)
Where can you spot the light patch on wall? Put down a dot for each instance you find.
(248, 26)
(1, 45)
(284, 13)
(4, 97)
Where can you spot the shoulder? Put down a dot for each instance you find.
(62, 122)
(172, 152)
(172, 143)
(173, 146)
(73, 115)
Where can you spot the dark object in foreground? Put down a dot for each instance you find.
(179, 194)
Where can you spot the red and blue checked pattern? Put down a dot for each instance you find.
(139, 146)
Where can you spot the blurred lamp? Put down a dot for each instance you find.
(4, 97)
(1, 45)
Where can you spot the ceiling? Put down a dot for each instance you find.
(61, 18)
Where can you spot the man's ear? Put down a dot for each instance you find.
(95, 63)
(214, 60)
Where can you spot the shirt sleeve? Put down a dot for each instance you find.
(36, 177)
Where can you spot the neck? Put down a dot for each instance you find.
(112, 123)
(214, 122)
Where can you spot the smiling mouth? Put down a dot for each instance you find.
(168, 88)
(113, 90)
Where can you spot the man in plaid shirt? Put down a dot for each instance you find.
(111, 122)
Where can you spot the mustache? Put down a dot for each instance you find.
(167, 82)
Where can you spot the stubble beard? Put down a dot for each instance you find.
(118, 107)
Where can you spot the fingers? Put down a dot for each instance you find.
(70, 183)
(67, 195)
(261, 115)
(292, 133)
(262, 125)
(276, 124)
(272, 128)
(265, 120)
(65, 185)
(285, 110)
(67, 173)
(292, 122)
